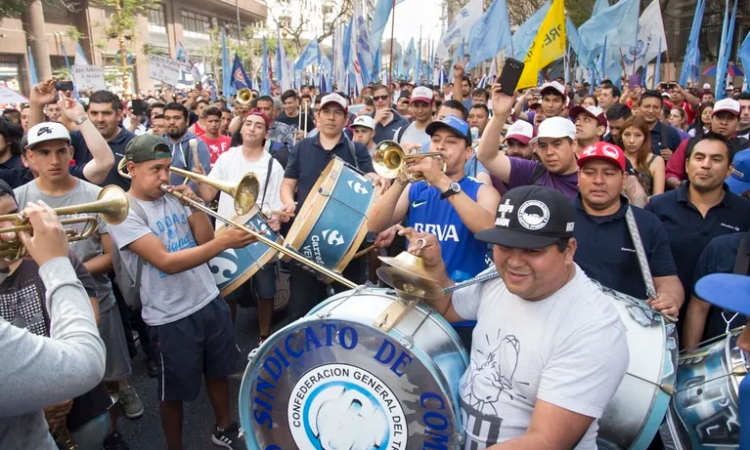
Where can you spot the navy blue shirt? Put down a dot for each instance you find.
(82, 155)
(719, 257)
(386, 133)
(14, 163)
(664, 136)
(308, 159)
(689, 232)
(607, 254)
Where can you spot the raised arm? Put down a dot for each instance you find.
(41, 94)
(495, 161)
(103, 159)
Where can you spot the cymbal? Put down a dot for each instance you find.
(409, 286)
(410, 264)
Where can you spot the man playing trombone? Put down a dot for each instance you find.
(50, 152)
(188, 319)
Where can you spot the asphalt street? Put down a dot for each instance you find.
(145, 433)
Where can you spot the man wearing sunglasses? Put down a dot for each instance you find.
(387, 119)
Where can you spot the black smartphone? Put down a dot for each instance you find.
(64, 85)
(668, 86)
(138, 107)
(512, 70)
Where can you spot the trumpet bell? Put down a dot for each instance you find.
(246, 194)
(117, 207)
(388, 159)
(244, 96)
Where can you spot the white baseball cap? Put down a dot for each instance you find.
(364, 121)
(554, 85)
(706, 86)
(46, 131)
(555, 127)
(520, 131)
(727, 104)
(334, 98)
(421, 94)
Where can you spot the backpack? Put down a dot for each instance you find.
(129, 287)
(279, 151)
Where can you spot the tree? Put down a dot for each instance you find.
(12, 8)
(286, 13)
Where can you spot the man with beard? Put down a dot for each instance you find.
(179, 140)
(701, 208)
(518, 138)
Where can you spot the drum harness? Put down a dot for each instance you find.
(741, 266)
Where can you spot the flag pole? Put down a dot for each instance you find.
(669, 64)
(390, 60)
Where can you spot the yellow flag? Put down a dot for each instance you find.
(548, 45)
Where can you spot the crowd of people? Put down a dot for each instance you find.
(539, 184)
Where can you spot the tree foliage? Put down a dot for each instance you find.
(343, 10)
(12, 8)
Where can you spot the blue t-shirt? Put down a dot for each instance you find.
(462, 253)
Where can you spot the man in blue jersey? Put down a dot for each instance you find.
(449, 205)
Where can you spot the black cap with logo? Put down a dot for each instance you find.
(531, 217)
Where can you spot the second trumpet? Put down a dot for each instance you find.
(389, 160)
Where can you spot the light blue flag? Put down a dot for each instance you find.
(377, 64)
(657, 71)
(418, 68)
(310, 55)
(490, 34)
(600, 6)
(80, 59)
(618, 24)
(32, 68)
(526, 33)
(723, 61)
(574, 39)
(70, 71)
(265, 82)
(325, 63)
(743, 53)
(691, 64)
(379, 20)
(644, 76)
(347, 43)
(410, 58)
(226, 70)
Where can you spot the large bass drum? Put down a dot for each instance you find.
(633, 416)
(705, 412)
(338, 379)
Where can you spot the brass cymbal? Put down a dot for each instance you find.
(411, 264)
(408, 285)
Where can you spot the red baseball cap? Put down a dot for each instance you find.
(262, 115)
(603, 150)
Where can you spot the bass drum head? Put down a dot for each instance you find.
(341, 384)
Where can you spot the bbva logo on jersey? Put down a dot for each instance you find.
(443, 232)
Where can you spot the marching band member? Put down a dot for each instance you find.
(231, 167)
(188, 319)
(553, 343)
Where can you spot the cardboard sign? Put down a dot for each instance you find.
(166, 70)
(88, 77)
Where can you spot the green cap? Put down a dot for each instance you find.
(147, 147)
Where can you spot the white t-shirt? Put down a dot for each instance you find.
(413, 136)
(232, 166)
(568, 349)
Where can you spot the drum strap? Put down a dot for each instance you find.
(640, 252)
(268, 177)
(742, 262)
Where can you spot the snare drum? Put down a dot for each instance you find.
(233, 267)
(705, 411)
(633, 416)
(332, 222)
(338, 379)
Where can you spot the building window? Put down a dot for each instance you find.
(285, 22)
(327, 9)
(195, 23)
(156, 16)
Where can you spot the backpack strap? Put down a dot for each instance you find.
(353, 152)
(268, 177)
(140, 212)
(742, 262)
(400, 133)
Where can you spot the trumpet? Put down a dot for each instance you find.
(244, 96)
(389, 160)
(245, 193)
(112, 205)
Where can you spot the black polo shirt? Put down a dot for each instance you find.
(308, 159)
(689, 232)
(664, 136)
(82, 155)
(719, 257)
(607, 254)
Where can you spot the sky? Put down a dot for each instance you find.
(410, 15)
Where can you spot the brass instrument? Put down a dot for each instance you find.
(244, 96)
(112, 205)
(389, 160)
(244, 193)
(63, 437)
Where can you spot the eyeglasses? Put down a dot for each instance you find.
(379, 98)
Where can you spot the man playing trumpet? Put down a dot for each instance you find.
(188, 319)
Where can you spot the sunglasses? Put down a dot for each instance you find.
(378, 98)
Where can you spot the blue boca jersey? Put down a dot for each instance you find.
(463, 254)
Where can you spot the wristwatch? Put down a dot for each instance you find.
(454, 189)
(81, 119)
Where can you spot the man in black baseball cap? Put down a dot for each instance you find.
(548, 332)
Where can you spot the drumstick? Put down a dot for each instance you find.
(281, 213)
(366, 250)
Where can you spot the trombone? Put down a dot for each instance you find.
(244, 96)
(112, 205)
(245, 194)
(390, 159)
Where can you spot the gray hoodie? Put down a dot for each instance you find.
(37, 371)
(181, 152)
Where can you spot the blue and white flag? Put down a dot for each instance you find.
(615, 24)
(460, 28)
(379, 20)
(490, 34)
(240, 80)
(743, 53)
(600, 6)
(80, 59)
(650, 32)
(285, 71)
(265, 79)
(310, 56)
(339, 69)
(723, 61)
(354, 68)
(362, 36)
(692, 62)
